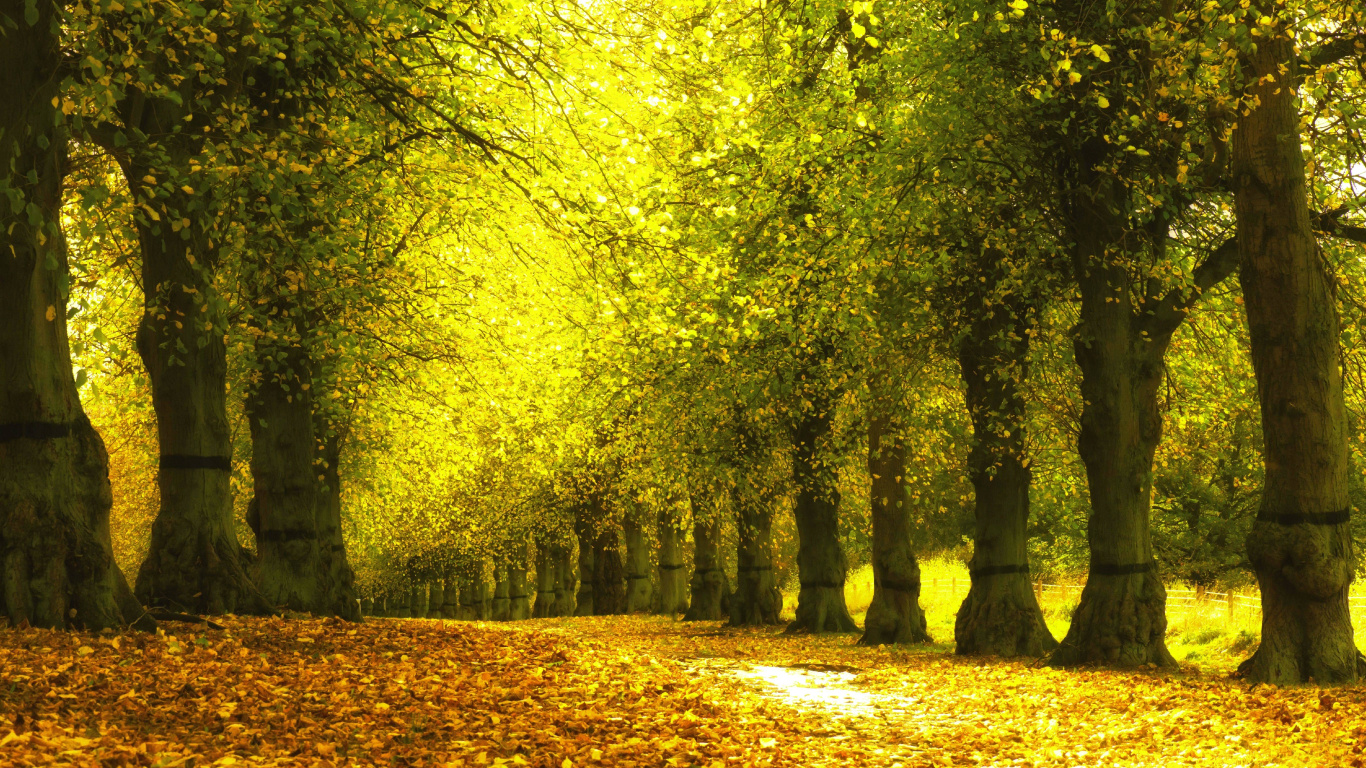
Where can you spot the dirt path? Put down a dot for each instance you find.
(927, 707)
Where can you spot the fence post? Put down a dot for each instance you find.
(953, 587)
(1038, 590)
(1231, 601)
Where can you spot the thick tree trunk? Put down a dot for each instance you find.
(469, 598)
(57, 565)
(756, 600)
(547, 569)
(820, 558)
(502, 605)
(673, 587)
(450, 606)
(894, 615)
(338, 577)
(1001, 615)
(420, 601)
(1301, 544)
(1121, 618)
(285, 506)
(193, 561)
(609, 574)
(583, 530)
(436, 599)
(639, 589)
(710, 588)
(519, 597)
(564, 582)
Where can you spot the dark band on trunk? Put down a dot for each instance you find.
(1110, 569)
(673, 567)
(822, 585)
(296, 534)
(1307, 518)
(190, 461)
(40, 430)
(898, 585)
(998, 570)
(752, 568)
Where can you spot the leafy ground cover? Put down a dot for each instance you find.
(620, 691)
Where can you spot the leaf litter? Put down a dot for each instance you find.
(627, 691)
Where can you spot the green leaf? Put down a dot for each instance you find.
(31, 12)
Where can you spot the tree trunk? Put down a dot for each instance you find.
(57, 565)
(673, 589)
(502, 605)
(894, 615)
(285, 505)
(436, 599)
(450, 606)
(609, 574)
(583, 530)
(1300, 544)
(820, 558)
(1001, 615)
(710, 590)
(519, 599)
(547, 569)
(193, 561)
(1121, 618)
(756, 600)
(338, 578)
(564, 583)
(469, 598)
(420, 602)
(639, 589)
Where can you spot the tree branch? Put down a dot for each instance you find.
(1170, 310)
(1331, 52)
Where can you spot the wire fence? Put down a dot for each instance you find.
(1233, 603)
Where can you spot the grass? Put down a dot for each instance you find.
(1203, 634)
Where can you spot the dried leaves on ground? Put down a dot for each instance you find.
(619, 691)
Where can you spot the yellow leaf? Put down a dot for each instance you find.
(1100, 53)
(1103, 102)
(51, 313)
(84, 650)
(566, 764)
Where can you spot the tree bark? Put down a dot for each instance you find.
(564, 583)
(547, 569)
(519, 599)
(673, 587)
(756, 600)
(894, 615)
(710, 590)
(450, 596)
(338, 577)
(1121, 618)
(285, 506)
(639, 589)
(502, 605)
(1300, 544)
(609, 574)
(57, 565)
(1001, 615)
(821, 565)
(583, 531)
(436, 599)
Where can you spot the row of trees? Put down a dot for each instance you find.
(432, 283)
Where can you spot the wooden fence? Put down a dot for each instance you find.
(1179, 599)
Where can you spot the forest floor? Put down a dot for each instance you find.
(625, 691)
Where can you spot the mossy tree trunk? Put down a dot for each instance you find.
(519, 589)
(1300, 544)
(894, 615)
(502, 605)
(547, 569)
(1119, 344)
(57, 565)
(821, 564)
(639, 586)
(1001, 615)
(609, 573)
(673, 586)
(284, 510)
(756, 600)
(584, 531)
(564, 581)
(338, 577)
(710, 590)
